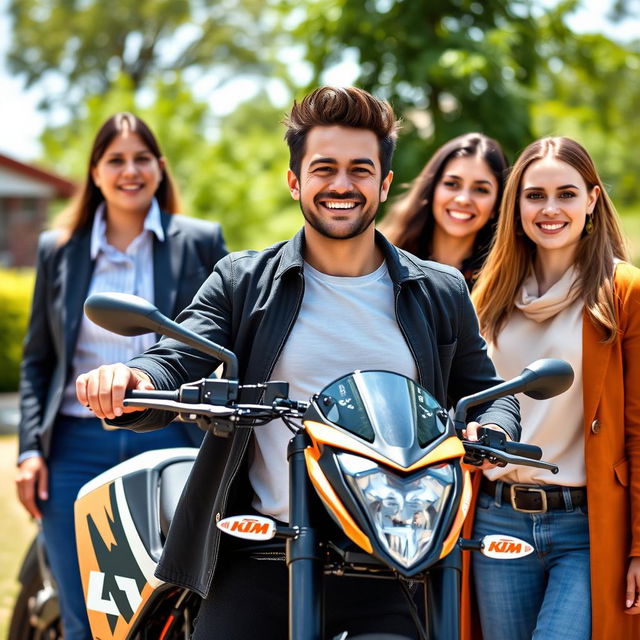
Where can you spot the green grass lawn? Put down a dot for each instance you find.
(16, 531)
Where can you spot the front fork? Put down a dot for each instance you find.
(442, 583)
(442, 597)
(303, 551)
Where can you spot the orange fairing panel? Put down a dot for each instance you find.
(463, 509)
(114, 585)
(449, 448)
(329, 496)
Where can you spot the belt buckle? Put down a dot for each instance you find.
(524, 487)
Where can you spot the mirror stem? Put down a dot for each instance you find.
(499, 391)
(172, 329)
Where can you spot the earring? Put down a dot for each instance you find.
(588, 227)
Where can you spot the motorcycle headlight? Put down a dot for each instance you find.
(403, 510)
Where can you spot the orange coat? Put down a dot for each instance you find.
(611, 391)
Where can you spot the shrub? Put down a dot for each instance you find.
(16, 288)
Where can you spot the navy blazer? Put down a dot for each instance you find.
(180, 265)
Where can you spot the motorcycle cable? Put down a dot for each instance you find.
(413, 609)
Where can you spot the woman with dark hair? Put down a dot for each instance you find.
(119, 234)
(450, 210)
(557, 284)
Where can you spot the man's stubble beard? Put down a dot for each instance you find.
(360, 225)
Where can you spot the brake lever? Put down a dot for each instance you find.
(477, 454)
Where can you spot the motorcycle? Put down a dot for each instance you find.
(379, 486)
(119, 542)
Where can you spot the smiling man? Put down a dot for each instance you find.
(334, 298)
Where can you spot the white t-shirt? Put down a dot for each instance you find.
(343, 324)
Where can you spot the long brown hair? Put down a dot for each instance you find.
(409, 222)
(79, 214)
(513, 253)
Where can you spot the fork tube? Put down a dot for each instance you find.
(443, 597)
(303, 559)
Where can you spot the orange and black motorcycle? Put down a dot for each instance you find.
(378, 486)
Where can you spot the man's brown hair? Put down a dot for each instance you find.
(345, 107)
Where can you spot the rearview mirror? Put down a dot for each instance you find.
(129, 315)
(541, 379)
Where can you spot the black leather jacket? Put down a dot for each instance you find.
(248, 305)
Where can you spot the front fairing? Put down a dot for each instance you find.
(386, 463)
(386, 410)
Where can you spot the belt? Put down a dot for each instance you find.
(530, 498)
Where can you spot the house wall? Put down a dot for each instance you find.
(24, 203)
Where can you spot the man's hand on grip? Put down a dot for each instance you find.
(103, 389)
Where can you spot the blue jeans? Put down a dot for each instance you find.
(545, 595)
(82, 449)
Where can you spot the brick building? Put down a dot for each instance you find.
(25, 194)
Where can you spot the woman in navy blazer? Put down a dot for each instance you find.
(119, 234)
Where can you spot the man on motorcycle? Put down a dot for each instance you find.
(334, 298)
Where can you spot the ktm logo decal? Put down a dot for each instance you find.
(97, 602)
(249, 527)
(505, 547)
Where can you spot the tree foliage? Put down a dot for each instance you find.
(448, 67)
(622, 9)
(81, 46)
(508, 68)
(588, 89)
(16, 286)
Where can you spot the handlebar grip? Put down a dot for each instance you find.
(530, 451)
(139, 394)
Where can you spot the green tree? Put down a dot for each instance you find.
(80, 47)
(588, 89)
(243, 181)
(448, 67)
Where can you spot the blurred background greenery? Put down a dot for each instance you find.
(513, 69)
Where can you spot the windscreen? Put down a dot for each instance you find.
(381, 404)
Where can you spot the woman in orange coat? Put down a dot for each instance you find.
(556, 284)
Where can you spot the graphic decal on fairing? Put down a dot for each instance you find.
(117, 587)
(115, 567)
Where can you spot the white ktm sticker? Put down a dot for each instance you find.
(503, 547)
(249, 527)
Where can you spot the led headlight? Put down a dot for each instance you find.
(404, 511)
